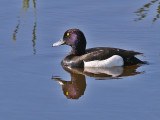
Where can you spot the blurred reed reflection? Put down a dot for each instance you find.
(75, 88)
(143, 11)
(22, 18)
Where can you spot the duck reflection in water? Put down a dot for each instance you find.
(75, 88)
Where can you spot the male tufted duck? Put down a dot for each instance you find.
(94, 57)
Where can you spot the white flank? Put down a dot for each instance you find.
(115, 60)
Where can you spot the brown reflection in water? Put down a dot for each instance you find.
(143, 11)
(72, 89)
(23, 12)
(75, 88)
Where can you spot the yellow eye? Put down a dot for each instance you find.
(67, 93)
(67, 34)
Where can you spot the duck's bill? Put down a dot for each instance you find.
(61, 42)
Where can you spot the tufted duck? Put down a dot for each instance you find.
(94, 57)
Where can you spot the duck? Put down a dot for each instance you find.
(99, 57)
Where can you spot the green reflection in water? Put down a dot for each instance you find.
(20, 18)
(143, 11)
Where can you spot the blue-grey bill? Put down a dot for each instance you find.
(61, 42)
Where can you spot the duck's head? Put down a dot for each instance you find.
(74, 38)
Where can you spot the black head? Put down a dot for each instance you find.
(74, 38)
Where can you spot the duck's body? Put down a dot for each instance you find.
(94, 57)
(102, 57)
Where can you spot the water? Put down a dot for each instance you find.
(30, 68)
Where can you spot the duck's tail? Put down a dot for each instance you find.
(133, 61)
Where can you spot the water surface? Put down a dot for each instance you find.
(30, 70)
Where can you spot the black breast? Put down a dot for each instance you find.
(73, 61)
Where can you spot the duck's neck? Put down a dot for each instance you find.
(77, 51)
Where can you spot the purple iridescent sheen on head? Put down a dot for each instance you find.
(71, 39)
(76, 39)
